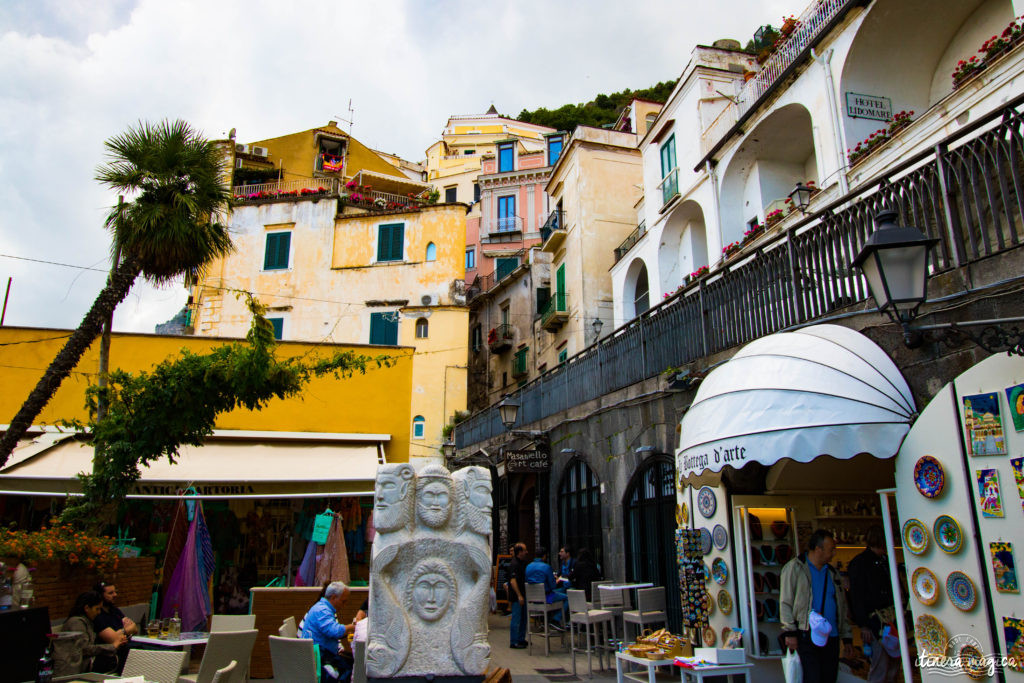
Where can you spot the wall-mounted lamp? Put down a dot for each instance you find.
(801, 197)
(597, 325)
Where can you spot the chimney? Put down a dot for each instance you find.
(332, 124)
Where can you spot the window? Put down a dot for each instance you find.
(384, 328)
(278, 325)
(507, 213)
(431, 252)
(390, 242)
(470, 258)
(506, 157)
(469, 152)
(275, 257)
(419, 427)
(422, 327)
(563, 355)
(478, 338)
(504, 314)
(579, 502)
(669, 174)
(554, 149)
(504, 266)
(641, 301)
(476, 192)
(451, 194)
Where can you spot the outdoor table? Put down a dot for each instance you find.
(185, 641)
(622, 668)
(698, 673)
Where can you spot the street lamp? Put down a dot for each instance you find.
(448, 449)
(894, 261)
(801, 197)
(597, 325)
(508, 409)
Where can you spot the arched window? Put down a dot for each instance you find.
(422, 328)
(431, 252)
(579, 502)
(649, 512)
(419, 427)
(641, 298)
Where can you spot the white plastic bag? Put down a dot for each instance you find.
(791, 667)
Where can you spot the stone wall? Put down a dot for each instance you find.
(56, 586)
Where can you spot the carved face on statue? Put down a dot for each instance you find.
(431, 590)
(391, 497)
(475, 498)
(434, 496)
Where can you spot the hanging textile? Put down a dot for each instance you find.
(206, 560)
(175, 543)
(187, 591)
(306, 576)
(371, 531)
(333, 564)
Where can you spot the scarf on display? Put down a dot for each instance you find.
(306, 576)
(187, 592)
(332, 565)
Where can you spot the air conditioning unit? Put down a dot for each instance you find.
(242, 149)
(260, 151)
(428, 299)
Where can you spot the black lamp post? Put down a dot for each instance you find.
(508, 409)
(801, 197)
(597, 325)
(448, 449)
(895, 262)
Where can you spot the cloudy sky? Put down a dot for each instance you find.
(75, 72)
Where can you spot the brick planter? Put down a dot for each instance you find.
(57, 586)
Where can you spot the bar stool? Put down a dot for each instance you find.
(537, 606)
(650, 609)
(584, 621)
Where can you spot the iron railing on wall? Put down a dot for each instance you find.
(631, 239)
(967, 191)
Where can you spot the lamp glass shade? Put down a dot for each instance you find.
(448, 448)
(801, 196)
(905, 273)
(508, 410)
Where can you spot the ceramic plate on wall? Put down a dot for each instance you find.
(709, 637)
(931, 635)
(720, 536)
(705, 541)
(961, 591)
(948, 535)
(719, 571)
(973, 663)
(925, 586)
(725, 601)
(929, 476)
(706, 502)
(915, 536)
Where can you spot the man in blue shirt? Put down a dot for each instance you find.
(321, 625)
(539, 571)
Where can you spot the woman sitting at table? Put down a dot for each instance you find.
(92, 655)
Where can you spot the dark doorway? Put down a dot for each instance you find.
(579, 508)
(649, 511)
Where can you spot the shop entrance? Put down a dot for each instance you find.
(579, 508)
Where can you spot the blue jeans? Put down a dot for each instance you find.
(560, 596)
(517, 629)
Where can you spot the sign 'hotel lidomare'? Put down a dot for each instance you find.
(868, 107)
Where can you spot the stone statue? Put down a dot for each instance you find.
(430, 574)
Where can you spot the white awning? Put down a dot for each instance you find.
(226, 468)
(821, 390)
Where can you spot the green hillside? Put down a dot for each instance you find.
(600, 111)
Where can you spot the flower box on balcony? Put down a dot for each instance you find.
(500, 338)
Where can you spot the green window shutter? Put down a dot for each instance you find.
(384, 328)
(390, 242)
(563, 355)
(560, 279)
(276, 255)
(504, 266)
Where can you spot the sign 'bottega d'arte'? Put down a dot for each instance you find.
(868, 107)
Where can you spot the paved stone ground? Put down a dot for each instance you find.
(538, 668)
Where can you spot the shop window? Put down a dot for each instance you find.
(419, 427)
(391, 242)
(579, 510)
(650, 531)
(422, 327)
(278, 325)
(451, 194)
(506, 157)
(275, 255)
(384, 328)
(431, 252)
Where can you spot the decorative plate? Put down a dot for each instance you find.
(931, 636)
(948, 535)
(925, 585)
(929, 476)
(961, 591)
(726, 632)
(705, 541)
(707, 574)
(709, 637)
(706, 502)
(725, 601)
(720, 536)
(915, 536)
(710, 603)
(719, 571)
(973, 663)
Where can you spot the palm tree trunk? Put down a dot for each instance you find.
(118, 285)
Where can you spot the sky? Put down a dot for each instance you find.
(73, 73)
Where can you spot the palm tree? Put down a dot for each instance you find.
(176, 181)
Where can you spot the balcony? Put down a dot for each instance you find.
(519, 367)
(630, 240)
(669, 187)
(500, 338)
(506, 229)
(552, 233)
(305, 188)
(556, 313)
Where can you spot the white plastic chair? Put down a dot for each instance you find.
(232, 622)
(226, 674)
(650, 609)
(158, 666)
(288, 629)
(537, 606)
(294, 659)
(137, 613)
(223, 648)
(589, 620)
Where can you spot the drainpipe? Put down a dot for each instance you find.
(710, 168)
(833, 111)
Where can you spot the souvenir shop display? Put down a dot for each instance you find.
(948, 534)
(915, 536)
(973, 663)
(705, 541)
(1004, 567)
(1018, 476)
(982, 425)
(1013, 631)
(706, 502)
(1015, 399)
(961, 591)
(929, 477)
(719, 571)
(990, 501)
(931, 636)
(771, 535)
(720, 536)
(696, 601)
(725, 601)
(925, 586)
(709, 637)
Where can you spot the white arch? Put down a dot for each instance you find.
(684, 245)
(637, 280)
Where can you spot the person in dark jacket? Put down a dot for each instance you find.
(517, 597)
(95, 655)
(584, 572)
(871, 603)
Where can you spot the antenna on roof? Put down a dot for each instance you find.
(351, 122)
